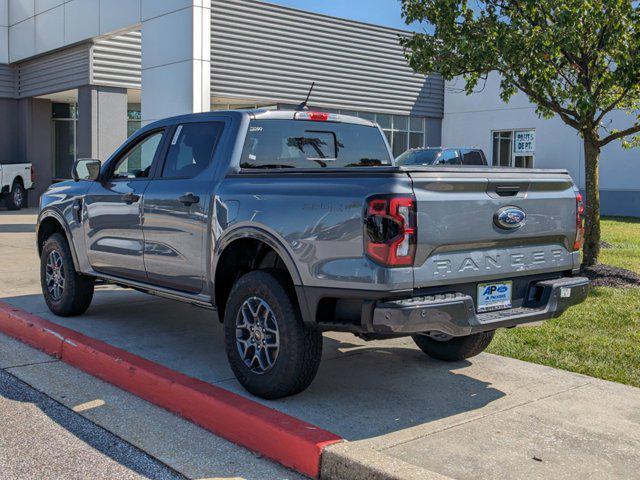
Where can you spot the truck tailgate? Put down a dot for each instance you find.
(460, 240)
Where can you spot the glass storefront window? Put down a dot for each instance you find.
(384, 120)
(400, 140)
(368, 116)
(417, 124)
(416, 140)
(400, 123)
(64, 147)
(134, 118)
(402, 131)
(64, 117)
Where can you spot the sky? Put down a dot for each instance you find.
(380, 12)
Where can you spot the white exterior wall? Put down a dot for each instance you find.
(176, 74)
(470, 121)
(4, 31)
(176, 57)
(39, 26)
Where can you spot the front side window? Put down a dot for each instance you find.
(272, 144)
(450, 157)
(65, 121)
(191, 149)
(136, 163)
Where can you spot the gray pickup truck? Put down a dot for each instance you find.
(291, 223)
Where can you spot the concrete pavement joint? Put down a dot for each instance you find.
(486, 415)
(11, 367)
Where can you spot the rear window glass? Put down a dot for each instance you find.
(272, 144)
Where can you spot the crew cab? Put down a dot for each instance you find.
(442, 156)
(15, 180)
(291, 223)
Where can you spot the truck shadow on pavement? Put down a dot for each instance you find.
(17, 228)
(84, 430)
(362, 390)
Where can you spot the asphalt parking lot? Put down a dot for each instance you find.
(402, 414)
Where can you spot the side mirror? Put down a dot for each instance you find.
(86, 169)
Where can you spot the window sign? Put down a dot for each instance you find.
(514, 148)
(525, 141)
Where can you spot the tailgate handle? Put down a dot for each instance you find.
(508, 191)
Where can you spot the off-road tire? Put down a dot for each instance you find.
(300, 345)
(16, 198)
(456, 348)
(78, 289)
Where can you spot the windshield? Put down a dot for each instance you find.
(418, 157)
(274, 144)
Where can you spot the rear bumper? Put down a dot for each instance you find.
(455, 313)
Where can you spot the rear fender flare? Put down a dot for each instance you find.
(270, 239)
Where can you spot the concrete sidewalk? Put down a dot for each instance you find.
(405, 416)
(40, 435)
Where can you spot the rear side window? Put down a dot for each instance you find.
(473, 157)
(273, 144)
(191, 149)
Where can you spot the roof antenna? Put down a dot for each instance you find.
(303, 105)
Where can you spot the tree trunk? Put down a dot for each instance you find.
(592, 211)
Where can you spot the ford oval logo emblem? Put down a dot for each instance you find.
(510, 218)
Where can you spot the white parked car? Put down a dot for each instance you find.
(15, 180)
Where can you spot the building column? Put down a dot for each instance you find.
(102, 121)
(34, 141)
(4, 31)
(176, 58)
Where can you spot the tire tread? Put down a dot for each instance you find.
(78, 289)
(301, 360)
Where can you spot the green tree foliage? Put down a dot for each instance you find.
(578, 59)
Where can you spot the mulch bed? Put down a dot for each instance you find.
(609, 276)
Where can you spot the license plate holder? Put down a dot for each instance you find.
(494, 296)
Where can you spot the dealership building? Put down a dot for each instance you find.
(78, 76)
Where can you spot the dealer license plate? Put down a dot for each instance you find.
(494, 296)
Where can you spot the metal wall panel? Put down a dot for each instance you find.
(267, 52)
(117, 61)
(54, 72)
(7, 82)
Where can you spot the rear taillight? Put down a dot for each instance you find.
(577, 245)
(390, 230)
(33, 174)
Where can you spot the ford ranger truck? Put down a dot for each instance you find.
(291, 223)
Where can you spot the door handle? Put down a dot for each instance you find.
(189, 199)
(130, 198)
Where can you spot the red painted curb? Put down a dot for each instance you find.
(280, 437)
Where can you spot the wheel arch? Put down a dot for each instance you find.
(248, 249)
(18, 178)
(51, 222)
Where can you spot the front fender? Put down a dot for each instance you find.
(51, 213)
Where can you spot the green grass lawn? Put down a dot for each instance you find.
(600, 337)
